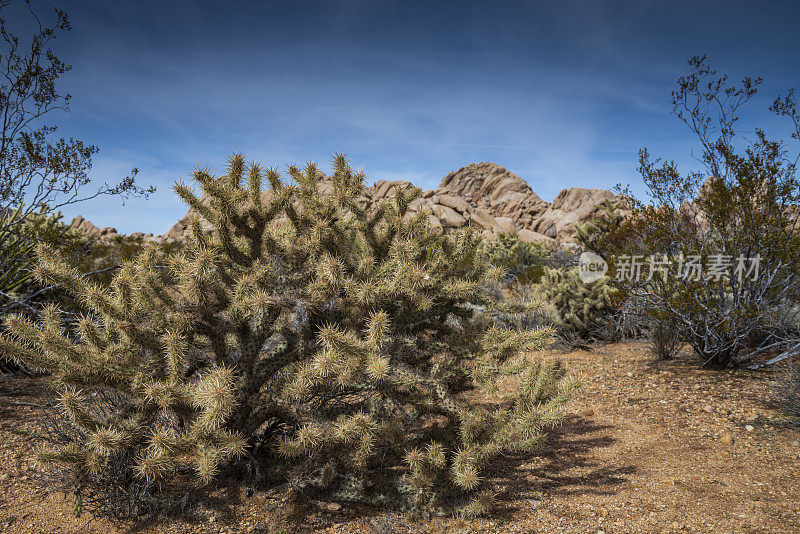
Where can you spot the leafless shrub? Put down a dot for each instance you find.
(665, 342)
(787, 389)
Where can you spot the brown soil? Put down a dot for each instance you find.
(648, 447)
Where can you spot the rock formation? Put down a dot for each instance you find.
(485, 196)
(86, 226)
(571, 206)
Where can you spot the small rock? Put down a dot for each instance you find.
(630, 375)
(708, 408)
(726, 439)
(749, 428)
(332, 506)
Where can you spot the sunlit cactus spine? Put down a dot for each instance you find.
(353, 332)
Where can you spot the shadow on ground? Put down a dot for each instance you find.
(565, 465)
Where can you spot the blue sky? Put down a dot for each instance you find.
(563, 93)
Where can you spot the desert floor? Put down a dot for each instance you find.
(646, 447)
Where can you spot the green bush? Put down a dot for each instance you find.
(736, 218)
(305, 338)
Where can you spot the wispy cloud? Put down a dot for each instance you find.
(562, 94)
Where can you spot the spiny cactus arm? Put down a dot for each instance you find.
(404, 196)
(206, 444)
(208, 456)
(18, 345)
(504, 343)
(45, 347)
(198, 237)
(70, 455)
(73, 403)
(176, 349)
(219, 193)
(378, 246)
(296, 218)
(275, 366)
(231, 246)
(305, 182)
(250, 343)
(51, 269)
(540, 380)
(460, 289)
(467, 463)
(206, 281)
(111, 439)
(354, 438)
(344, 179)
(254, 181)
(235, 170)
(214, 395)
(153, 291)
(153, 463)
(139, 334)
(194, 202)
(546, 387)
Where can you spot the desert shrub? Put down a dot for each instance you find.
(739, 226)
(602, 233)
(586, 310)
(39, 173)
(19, 234)
(94, 258)
(15, 253)
(522, 262)
(665, 341)
(787, 389)
(305, 339)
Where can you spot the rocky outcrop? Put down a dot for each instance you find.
(484, 196)
(107, 233)
(498, 191)
(515, 208)
(86, 226)
(571, 207)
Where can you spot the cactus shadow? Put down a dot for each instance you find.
(564, 465)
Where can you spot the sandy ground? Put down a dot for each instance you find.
(646, 447)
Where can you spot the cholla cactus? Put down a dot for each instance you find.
(584, 308)
(355, 332)
(523, 262)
